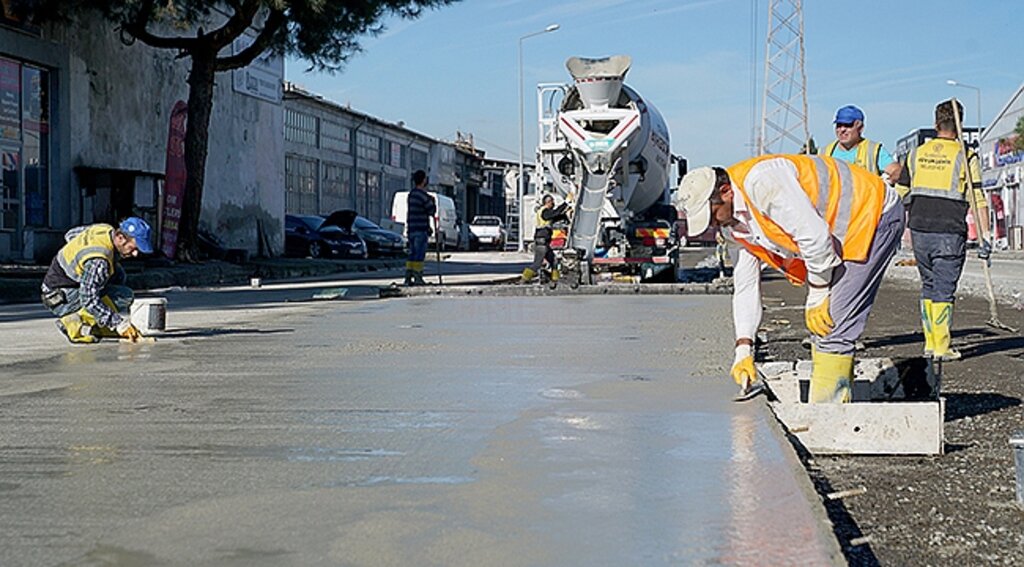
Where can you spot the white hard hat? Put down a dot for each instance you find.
(694, 197)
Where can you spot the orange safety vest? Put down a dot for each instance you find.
(850, 199)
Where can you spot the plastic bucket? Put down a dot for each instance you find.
(1017, 442)
(149, 315)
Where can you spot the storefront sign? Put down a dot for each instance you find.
(174, 184)
(262, 78)
(10, 99)
(1006, 153)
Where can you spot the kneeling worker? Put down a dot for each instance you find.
(820, 222)
(547, 215)
(84, 286)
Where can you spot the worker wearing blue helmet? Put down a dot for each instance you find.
(84, 286)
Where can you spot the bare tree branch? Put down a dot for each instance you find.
(137, 29)
(241, 19)
(275, 21)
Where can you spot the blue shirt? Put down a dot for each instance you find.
(850, 156)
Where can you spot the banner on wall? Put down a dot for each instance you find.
(174, 182)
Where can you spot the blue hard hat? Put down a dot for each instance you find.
(139, 230)
(848, 115)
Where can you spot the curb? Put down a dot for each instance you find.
(211, 273)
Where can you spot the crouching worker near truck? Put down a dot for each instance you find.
(818, 221)
(84, 286)
(547, 215)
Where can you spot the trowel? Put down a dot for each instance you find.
(753, 388)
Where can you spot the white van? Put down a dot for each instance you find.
(446, 218)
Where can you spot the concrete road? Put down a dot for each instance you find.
(426, 431)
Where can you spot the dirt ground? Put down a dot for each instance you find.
(954, 509)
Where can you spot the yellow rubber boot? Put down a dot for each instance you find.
(926, 323)
(528, 274)
(75, 329)
(417, 273)
(555, 275)
(831, 378)
(96, 329)
(942, 320)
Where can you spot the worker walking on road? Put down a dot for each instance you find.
(851, 147)
(819, 221)
(936, 173)
(84, 286)
(547, 215)
(420, 209)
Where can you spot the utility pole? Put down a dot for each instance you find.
(784, 107)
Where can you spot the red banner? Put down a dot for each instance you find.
(174, 182)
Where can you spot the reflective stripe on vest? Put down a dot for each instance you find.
(937, 170)
(95, 241)
(867, 154)
(850, 200)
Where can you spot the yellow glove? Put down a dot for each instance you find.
(816, 314)
(130, 333)
(743, 371)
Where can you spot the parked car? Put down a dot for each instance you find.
(380, 242)
(489, 231)
(308, 235)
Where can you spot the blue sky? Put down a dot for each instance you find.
(456, 68)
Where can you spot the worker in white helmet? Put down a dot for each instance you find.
(819, 221)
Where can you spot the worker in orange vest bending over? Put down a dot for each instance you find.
(821, 223)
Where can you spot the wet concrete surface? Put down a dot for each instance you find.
(423, 431)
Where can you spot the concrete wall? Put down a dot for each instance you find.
(120, 102)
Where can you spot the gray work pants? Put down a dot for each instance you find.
(855, 285)
(122, 296)
(940, 261)
(542, 251)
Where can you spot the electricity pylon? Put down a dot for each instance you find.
(784, 108)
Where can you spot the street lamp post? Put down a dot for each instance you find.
(520, 185)
(953, 83)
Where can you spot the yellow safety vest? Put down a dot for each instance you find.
(541, 222)
(867, 154)
(938, 168)
(96, 241)
(850, 200)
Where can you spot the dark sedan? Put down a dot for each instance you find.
(308, 235)
(380, 241)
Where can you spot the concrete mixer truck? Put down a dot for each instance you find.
(605, 149)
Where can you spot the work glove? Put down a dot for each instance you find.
(985, 252)
(743, 371)
(816, 314)
(128, 331)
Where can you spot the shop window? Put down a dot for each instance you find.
(334, 136)
(336, 188)
(36, 145)
(300, 127)
(300, 185)
(368, 146)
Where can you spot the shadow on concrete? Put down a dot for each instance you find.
(198, 332)
(1000, 344)
(970, 404)
(918, 337)
(844, 526)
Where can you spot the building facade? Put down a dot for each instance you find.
(84, 128)
(1002, 168)
(339, 158)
